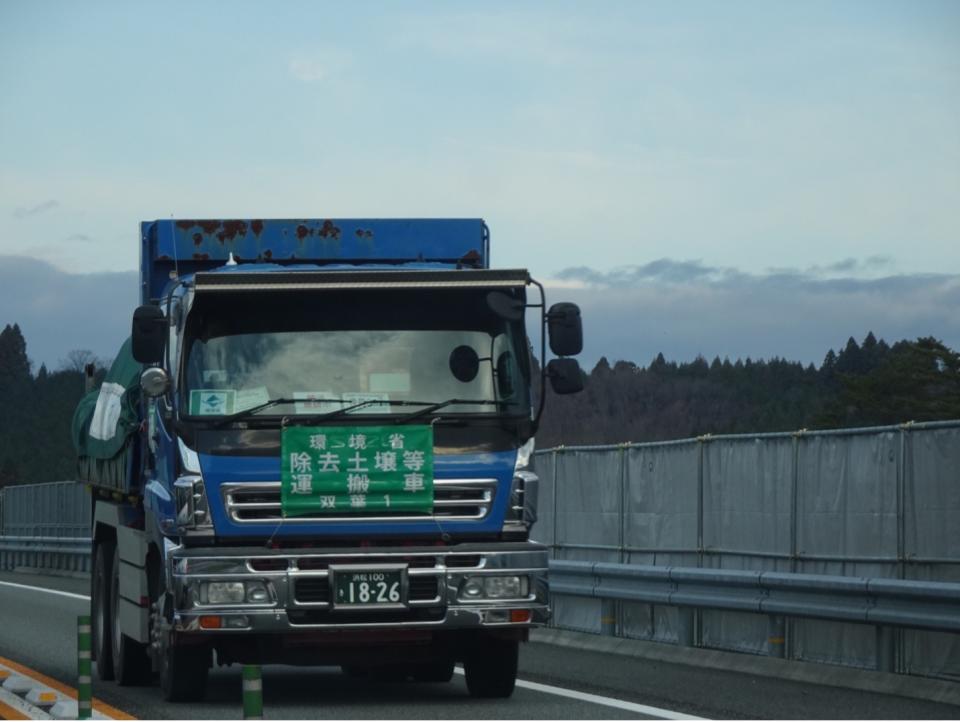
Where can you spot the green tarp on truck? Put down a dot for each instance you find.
(105, 421)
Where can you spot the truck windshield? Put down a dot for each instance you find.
(326, 351)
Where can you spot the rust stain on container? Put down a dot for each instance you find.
(472, 256)
(206, 226)
(303, 232)
(268, 254)
(197, 239)
(232, 229)
(201, 256)
(256, 226)
(329, 230)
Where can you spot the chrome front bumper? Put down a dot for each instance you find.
(299, 585)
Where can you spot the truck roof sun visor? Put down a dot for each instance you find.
(350, 280)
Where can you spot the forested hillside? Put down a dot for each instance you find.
(35, 413)
(862, 385)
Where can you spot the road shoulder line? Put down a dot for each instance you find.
(827, 675)
(655, 712)
(72, 595)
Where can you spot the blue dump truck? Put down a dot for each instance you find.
(314, 449)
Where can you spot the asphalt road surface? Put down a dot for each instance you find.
(38, 630)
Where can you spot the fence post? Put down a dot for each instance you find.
(686, 617)
(886, 649)
(617, 606)
(84, 680)
(696, 617)
(906, 445)
(252, 692)
(791, 627)
(556, 457)
(775, 635)
(608, 617)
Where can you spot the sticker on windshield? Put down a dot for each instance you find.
(352, 399)
(315, 402)
(215, 377)
(248, 398)
(322, 402)
(212, 402)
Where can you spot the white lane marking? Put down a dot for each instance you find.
(49, 591)
(656, 712)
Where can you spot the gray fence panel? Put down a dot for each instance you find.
(880, 502)
(55, 509)
(661, 519)
(847, 516)
(544, 530)
(748, 499)
(932, 531)
(588, 516)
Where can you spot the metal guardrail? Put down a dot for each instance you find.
(881, 602)
(68, 554)
(884, 603)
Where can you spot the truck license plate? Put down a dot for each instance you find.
(368, 587)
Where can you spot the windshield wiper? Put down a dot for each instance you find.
(252, 410)
(429, 408)
(434, 407)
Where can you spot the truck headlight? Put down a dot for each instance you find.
(249, 592)
(499, 586)
(222, 593)
(193, 512)
(257, 593)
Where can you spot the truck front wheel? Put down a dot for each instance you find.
(183, 673)
(491, 667)
(101, 592)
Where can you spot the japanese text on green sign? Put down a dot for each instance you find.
(356, 469)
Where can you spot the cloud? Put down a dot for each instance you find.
(79, 237)
(59, 311)
(686, 308)
(680, 308)
(312, 69)
(21, 212)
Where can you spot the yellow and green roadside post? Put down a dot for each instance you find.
(84, 678)
(252, 692)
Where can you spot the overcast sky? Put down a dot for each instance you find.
(739, 178)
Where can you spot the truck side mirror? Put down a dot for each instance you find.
(566, 329)
(565, 376)
(148, 335)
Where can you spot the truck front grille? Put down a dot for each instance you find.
(453, 500)
(312, 590)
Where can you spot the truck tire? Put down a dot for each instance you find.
(491, 668)
(183, 673)
(441, 671)
(130, 662)
(101, 590)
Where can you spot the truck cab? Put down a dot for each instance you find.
(332, 460)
